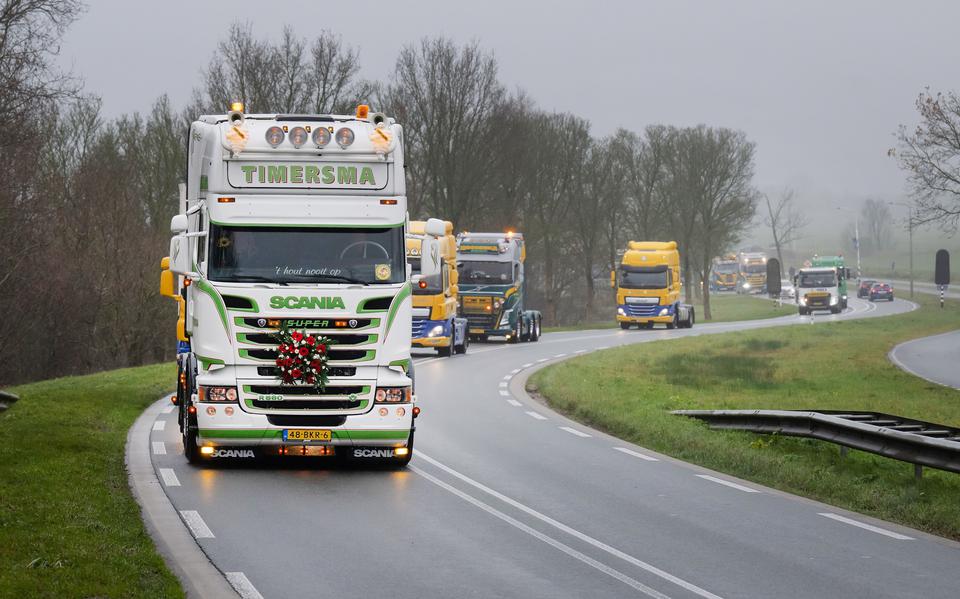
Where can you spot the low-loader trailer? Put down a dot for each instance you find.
(288, 253)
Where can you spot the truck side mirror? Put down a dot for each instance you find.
(167, 279)
(613, 279)
(179, 224)
(435, 227)
(180, 255)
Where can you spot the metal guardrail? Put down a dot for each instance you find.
(914, 441)
(7, 400)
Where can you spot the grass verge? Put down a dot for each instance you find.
(629, 392)
(69, 526)
(724, 308)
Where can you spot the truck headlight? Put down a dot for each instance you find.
(392, 395)
(621, 312)
(746, 285)
(803, 300)
(834, 299)
(436, 331)
(497, 302)
(217, 394)
(664, 311)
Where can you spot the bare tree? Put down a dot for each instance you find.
(448, 98)
(876, 218)
(930, 154)
(784, 220)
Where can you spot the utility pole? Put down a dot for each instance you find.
(856, 231)
(910, 210)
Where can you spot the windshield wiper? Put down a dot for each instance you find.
(336, 279)
(256, 279)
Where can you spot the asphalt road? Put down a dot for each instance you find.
(934, 358)
(505, 498)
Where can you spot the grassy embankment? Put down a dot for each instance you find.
(725, 308)
(630, 391)
(69, 526)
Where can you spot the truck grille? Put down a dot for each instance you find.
(641, 310)
(477, 305)
(335, 371)
(418, 328)
(818, 299)
(341, 355)
(481, 321)
(271, 338)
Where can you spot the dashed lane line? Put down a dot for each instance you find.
(168, 409)
(196, 524)
(515, 371)
(727, 483)
(635, 584)
(514, 403)
(242, 585)
(503, 384)
(159, 425)
(527, 365)
(504, 393)
(574, 431)
(159, 448)
(636, 454)
(508, 377)
(865, 526)
(169, 477)
(536, 415)
(689, 586)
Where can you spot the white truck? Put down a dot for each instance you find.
(819, 288)
(293, 226)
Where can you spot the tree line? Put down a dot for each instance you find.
(86, 201)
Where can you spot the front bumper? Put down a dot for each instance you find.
(641, 313)
(432, 342)
(422, 328)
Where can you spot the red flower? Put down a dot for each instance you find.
(315, 364)
(280, 361)
(310, 379)
(311, 340)
(304, 351)
(296, 373)
(297, 336)
(322, 348)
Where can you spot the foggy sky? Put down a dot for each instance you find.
(821, 87)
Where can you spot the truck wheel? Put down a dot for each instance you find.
(692, 318)
(625, 326)
(535, 330)
(673, 323)
(515, 337)
(190, 449)
(445, 352)
(462, 348)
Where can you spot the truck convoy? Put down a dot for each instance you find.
(432, 255)
(648, 287)
(843, 274)
(753, 272)
(819, 288)
(492, 289)
(288, 253)
(725, 273)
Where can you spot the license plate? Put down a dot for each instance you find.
(476, 331)
(297, 434)
(270, 397)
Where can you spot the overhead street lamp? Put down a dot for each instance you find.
(856, 232)
(910, 219)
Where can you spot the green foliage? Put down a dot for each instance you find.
(838, 366)
(69, 526)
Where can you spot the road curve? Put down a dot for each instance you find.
(934, 358)
(505, 498)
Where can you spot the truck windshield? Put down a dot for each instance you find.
(643, 278)
(725, 269)
(491, 273)
(372, 255)
(755, 268)
(817, 279)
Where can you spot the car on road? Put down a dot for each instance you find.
(787, 290)
(864, 289)
(880, 291)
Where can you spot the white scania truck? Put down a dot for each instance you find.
(296, 223)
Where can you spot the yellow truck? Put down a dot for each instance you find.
(432, 256)
(725, 273)
(648, 287)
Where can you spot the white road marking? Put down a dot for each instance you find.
(542, 537)
(571, 531)
(503, 384)
(727, 483)
(865, 526)
(559, 355)
(574, 431)
(636, 454)
(508, 377)
(527, 365)
(168, 409)
(504, 393)
(580, 351)
(169, 477)
(515, 371)
(536, 415)
(542, 360)
(159, 448)
(242, 585)
(603, 347)
(196, 524)
(159, 425)
(514, 403)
